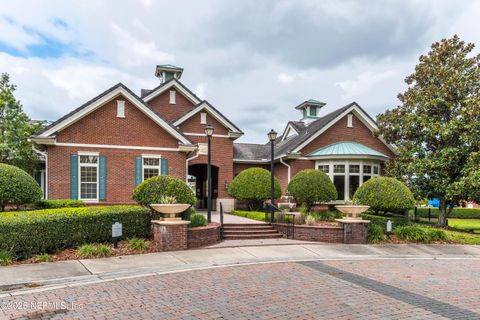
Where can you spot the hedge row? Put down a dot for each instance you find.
(382, 220)
(60, 203)
(25, 233)
(460, 213)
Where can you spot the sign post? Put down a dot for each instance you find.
(116, 233)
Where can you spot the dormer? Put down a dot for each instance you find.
(310, 110)
(166, 72)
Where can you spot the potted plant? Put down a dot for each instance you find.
(169, 208)
(352, 210)
(166, 195)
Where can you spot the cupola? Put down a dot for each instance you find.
(310, 110)
(166, 72)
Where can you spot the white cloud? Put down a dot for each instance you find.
(200, 90)
(285, 78)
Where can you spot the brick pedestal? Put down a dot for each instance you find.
(171, 235)
(354, 230)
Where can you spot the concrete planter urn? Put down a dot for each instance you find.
(170, 211)
(352, 212)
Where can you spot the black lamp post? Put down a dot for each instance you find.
(272, 135)
(209, 132)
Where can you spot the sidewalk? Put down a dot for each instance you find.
(16, 279)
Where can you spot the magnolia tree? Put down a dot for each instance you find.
(436, 126)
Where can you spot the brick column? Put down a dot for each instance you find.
(354, 230)
(171, 235)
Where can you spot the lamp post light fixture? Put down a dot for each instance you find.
(209, 132)
(272, 135)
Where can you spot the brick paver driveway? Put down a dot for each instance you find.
(369, 289)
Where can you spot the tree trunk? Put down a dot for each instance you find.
(442, 213)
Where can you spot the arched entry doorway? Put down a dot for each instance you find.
(197, 179)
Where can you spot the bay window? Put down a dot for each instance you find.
(348, 175)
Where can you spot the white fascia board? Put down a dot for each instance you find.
(205, 106)
(287, 129)
(361, 116)
(43, 140)
(172, 83)
(98, 103)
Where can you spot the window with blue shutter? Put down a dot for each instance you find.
(73, 176)
(138, 171)
(164, 166)
(102, 174)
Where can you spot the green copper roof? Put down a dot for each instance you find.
(346, 148)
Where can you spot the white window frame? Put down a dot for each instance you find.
(350, 121)
(120, 109)
(203, 118)
(80, 165)
(347, 173)
(173, 97)
(151, 156)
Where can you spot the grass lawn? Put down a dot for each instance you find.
(462, 237)
(254, 215)
(466, 224)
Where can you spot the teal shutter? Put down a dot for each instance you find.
(164, 166)
(138, 171)
(102, 173)
(73, 176)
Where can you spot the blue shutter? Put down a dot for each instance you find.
(138, 171)
(164, 166)
(102, 173)
(73, 176)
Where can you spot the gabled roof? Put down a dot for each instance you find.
(169, 84)
(310, 102)
(296, 126)
(346, 148)
(204, 105)
(101, 99)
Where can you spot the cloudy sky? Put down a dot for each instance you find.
(253, 60)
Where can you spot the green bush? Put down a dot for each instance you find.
(376, 233)
(459, 213)
(25, 233)
(310, 186)
(419, 233)
(137, 244)
(384, 194)
(254, 215)
(327, 215)
(154, 189)
(95, 250)
(60, 203)
(5, 258)
(253, 186)
(17, 187)
(187, 213)
(197, 220)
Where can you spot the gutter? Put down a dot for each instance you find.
(288, 168)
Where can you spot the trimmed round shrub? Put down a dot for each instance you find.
(253, 186)
(385, 194)
(154, 189)
(17, 187)
(310, 186)
(197, 220)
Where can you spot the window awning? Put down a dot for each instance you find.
(347, 149)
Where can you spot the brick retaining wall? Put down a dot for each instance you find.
(343, 233)
(203, 236)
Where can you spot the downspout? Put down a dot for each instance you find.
(288, 168)
(186, 166)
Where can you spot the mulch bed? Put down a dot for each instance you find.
(72, 253)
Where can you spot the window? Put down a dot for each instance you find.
(313, 111)
(324, 168)
(349, 120)
(348, 175)
(88, 177)
(203, 118)
(172, 96)
(120, 109)
(151, 167)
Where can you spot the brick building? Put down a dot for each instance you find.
(100, 151)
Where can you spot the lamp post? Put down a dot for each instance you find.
(209, 132)
(272, 135)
